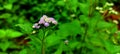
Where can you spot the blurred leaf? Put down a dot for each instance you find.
(24, 51)
(1, 8)
(84, 19)
(5, 15)
(25, 28)
(103, 24)
(8, 6)
(2, 34)
(4, 46)
(3, 53)
(64, 13)
(60, 49)
(12, 33)
(96, 42)
(60, 3)
(84, 8)
(114, 29)
(9, 33)
(53, 40)
(68, 28)
(73, 45)
(109, 47)
(13, 1)
(99, 51)
(74, 4)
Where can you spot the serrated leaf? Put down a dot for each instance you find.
(25, 28)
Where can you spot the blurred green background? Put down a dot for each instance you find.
(80, 30)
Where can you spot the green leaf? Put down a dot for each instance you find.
(72, 28)
(5, 15)
(60, 3)
(12, 33)
(2, 34)
(53, 40)
(109, 47)
(8, 6)
(4, 46)
(12, 1)
(60, 49)
(84, 19)
(103, 24)
(96, 41)
(9, 33)
(24, 51)
(84, 8)
(73, 45)
(3, 52)
(64, 13)
(25, 28)
(74, 4)
(114, 29)
(1, 8)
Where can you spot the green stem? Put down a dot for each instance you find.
(84, 38)
(43, 47)
(43, 43)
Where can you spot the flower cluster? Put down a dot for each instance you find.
(107, 6)
(46, 21)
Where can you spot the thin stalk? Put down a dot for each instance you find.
(84, 38)
(43, 47)
(43, 43)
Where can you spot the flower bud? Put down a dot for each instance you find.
(115, 12)
(111, 4)
(101, 11)
(54, 22)
(110, 8)
(66, 42)
(36, 26)
(115, 21)
(47, 20)
(33, 32)
(97, 8)
(46, 24)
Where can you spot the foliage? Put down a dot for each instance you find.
(81, 29)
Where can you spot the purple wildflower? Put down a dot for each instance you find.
(46, 24)
(45, 20)
(42, 19)
(51, 19)
(36, 26)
